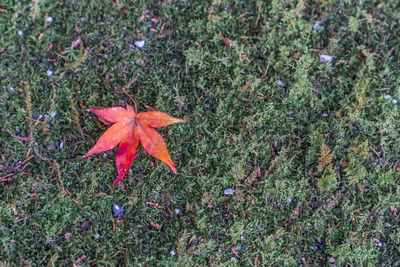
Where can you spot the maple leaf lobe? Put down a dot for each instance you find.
(113, 114)
(110, 139)
(157, 119)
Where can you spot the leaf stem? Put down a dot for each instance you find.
(123, 89)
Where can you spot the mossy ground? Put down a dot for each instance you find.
(310, 148)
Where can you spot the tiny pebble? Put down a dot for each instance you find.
(394, 101)
(325, 58)
(331, 259)
(229, 191)
(177, 211)
(97, 236)
(387, 96)
(20, 33)
(49, 72)
(49, 19)
(140, 43)
(316, 26)
(117, 210)
(172, 252)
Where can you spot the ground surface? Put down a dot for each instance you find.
(296, 114)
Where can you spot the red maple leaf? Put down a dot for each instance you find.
(128, 130)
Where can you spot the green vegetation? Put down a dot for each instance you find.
(308, 143)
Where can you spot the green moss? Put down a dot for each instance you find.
(258, 114)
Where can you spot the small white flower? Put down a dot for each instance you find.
(394, 101)
(325, 58)
(49, 72)
(49, 19)
(387, 96)
(140, 43)
(229, 191)
(316, 26)
(20, 33)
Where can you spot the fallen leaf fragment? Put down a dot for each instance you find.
(234, 252)
(130, 129)
(393, 209)
(246, 58)
(155, 225)
(226, 42)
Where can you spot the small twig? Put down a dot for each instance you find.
(102, 42)
(272, 262)
(3, 179)
(255, 261)
(191, 240)
(167, 202)
(198, 100)
(22, 163)
(29, 108)
(20, 138)
(56, 167)
(234, 252)
(376, 153)
(75, 113)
